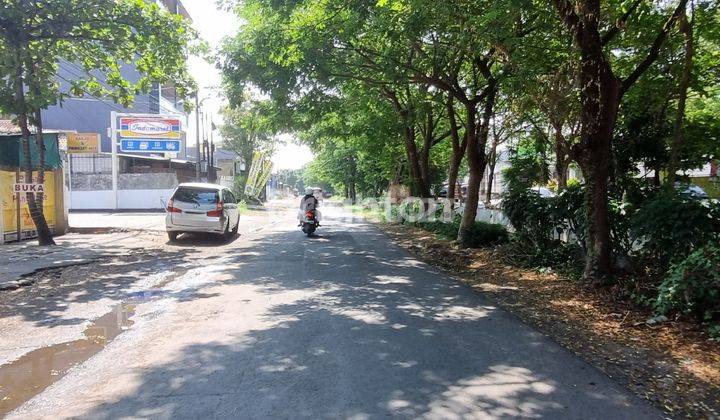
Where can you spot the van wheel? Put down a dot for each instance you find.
(173, 236)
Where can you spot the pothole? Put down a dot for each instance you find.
(32, 373)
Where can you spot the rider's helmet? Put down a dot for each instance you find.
(309, 191)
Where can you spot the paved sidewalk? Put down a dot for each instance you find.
(130, 221)
(152, 221)
(116, 233)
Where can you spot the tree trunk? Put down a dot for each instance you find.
(687, 29)
(36, 212)
(600, 98)
(490, 180)
(413, 160)
(562, 160)
(247, 156)
(455, 161)
(424, 156)
(458, 150)
(35, 202)
(475, 151)
(492, 161)
(600, 95)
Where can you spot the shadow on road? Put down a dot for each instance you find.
(202, 240)
(372, 332)
(47, 301)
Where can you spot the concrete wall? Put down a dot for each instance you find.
(135, 191)
(144, 199)
(91, 200)
(103, 182)
(127, 199)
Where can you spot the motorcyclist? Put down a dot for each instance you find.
(307, 203)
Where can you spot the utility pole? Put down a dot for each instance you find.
(213, 177)
(206, 149)
(114, 160)
(201, 146)
(197, 134)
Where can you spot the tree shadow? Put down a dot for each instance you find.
(371, 333)
(55, 291)
(202, 240)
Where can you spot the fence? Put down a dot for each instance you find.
(90, 164)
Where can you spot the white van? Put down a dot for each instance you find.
(202, 208)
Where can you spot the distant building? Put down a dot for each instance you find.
(89, 114)
(229, 164)
(144, 180)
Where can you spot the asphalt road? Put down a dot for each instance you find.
(342, 325)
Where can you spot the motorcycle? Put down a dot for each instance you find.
(309, 222)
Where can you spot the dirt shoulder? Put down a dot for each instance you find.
(672, 364)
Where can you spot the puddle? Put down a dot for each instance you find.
(31, 374)
(145, 295)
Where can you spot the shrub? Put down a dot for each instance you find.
(482, 234)
(564, 257)
(486, 234)
(669, 226)
(568, 209)
(693, 286)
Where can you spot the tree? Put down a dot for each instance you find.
(601, 91)
(357, 143)
(248, 128)
(99, 35)
(458, 144)
(502, 128)
(312, 46)
(549, 103)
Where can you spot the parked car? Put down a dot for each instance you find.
(543, 192)
(202, 208)
(691, 190)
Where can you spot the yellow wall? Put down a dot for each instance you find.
(9, 205)
(7, 179)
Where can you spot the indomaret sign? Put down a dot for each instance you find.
(150, 128)
(150, 134)
(142, 133)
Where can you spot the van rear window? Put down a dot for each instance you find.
(196, 195)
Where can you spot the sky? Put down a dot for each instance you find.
(213, 25)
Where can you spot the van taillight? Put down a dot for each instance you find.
(172, 209)
(217, 212)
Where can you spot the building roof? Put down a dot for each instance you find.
(200, 185)
(176, 6)
(156, 158)
(9, 128)
(220, 154)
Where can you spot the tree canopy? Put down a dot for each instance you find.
(419, 92)
(101, 36)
